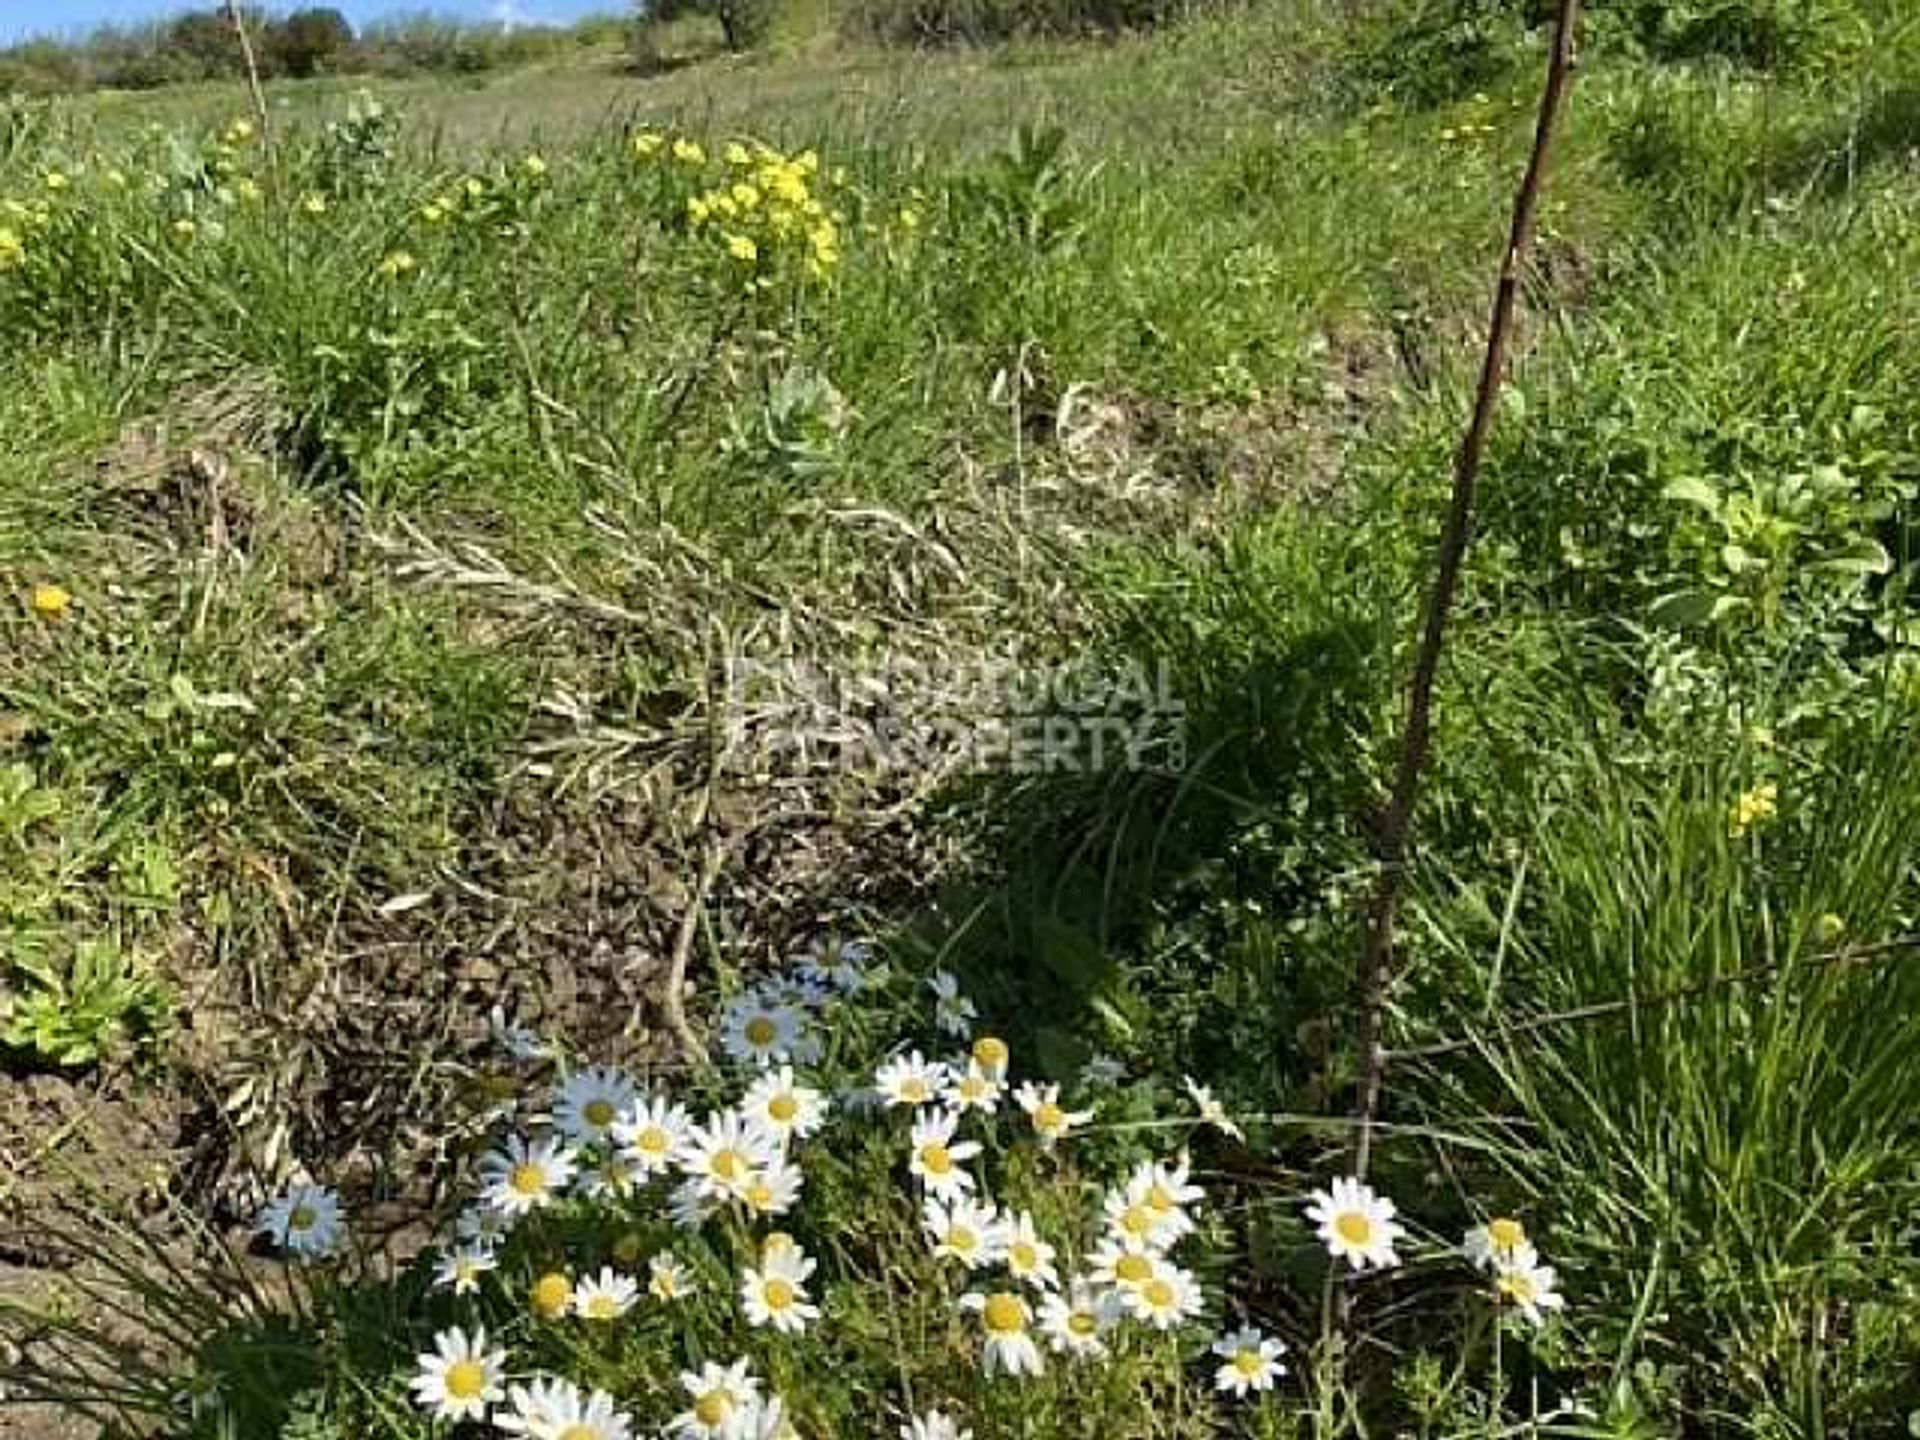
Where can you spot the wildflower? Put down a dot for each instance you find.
(990, 1053)
(841, 964)
(742, 248)
(782, 1107)
(1530, 1287)
(764, 1420)
(776, 1293)
(247, 188)
(1495, 1243)
(737, 154)
(461, 1378)
(586, 1106)
(1356, 1224)
(561, 1411)
(1249, 1361)
(460, 1269)
(1168, 1296)
(1050, 1122)
(937, 1159)
(1121, 1264)
(688, 152)
(550, 1295)
(313, 203)
(953, 1012)
(1101, 1072)
(668, 1279)
(185, 228)
(646, 144)
(934, 1425)
(13, 249)
(55, 180)
(482, 1226)
(1829, 928)
(973, 1089)
(396, 264)
(606, 1296)
(1754, 807)
(962, 1230)
(49, 601)
(718, 1393)
(1028, 1258)
(754, 1031)
(523, 1177)
(433, 212)
(774, 1189)
(1151, 1209)
(1077, 1323)
(238, 133)
(699, 210)
(1211, 1111)
(690, 1206)
(304, 1222)
(650, 1132)
(535, 165)
(1006, 1319)
(723, 1155)
(910, 1080)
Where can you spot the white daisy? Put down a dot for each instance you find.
(1121, 1264)
(460, 1269)
(689, 1206)
(461, 1378)
(1356, 1224)
(775, 1294)
(304, 1221)
(1006, 1320)
(522, 1044)
(773, 1190)
(1212, 1112)
(1028, 1258)
(963, 1231)
(910, 1081)
(841, 964)
(718, 1393)
(724, 1155)
(934, 1425)
(938, 1160)
(1530, 1287)
(1166, 1298)
(522, 1177)
(974, 1088)
(757, 1031)
(668, 1279)
(650, 1131)
(606, 1296)
(560, 1410)
(587, 1102)
(953, 1012)
(1495, 1243)
(531, 1408)
(481, 1226)
(1101, 1072)
(1077, 1322)
(1249, 1361)
(764, 1420)
(784, 1108)
(1050, 1121)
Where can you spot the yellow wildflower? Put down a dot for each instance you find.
(12, 249)
(737, 154)
(534, 165)
(745, 196)
(398, 263)
(550, 1295)
(49, 601)
(239, 132)
(688, 152)
(433, 212)
(247, 189)
(742, 248)
(185, 228)
(314, 203)
(698, 209)
(56, 180)
(1755, 807)
(646, 144)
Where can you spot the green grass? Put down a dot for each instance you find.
(412, 583)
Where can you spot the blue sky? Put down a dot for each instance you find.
(21, 18)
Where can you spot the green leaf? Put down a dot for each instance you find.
(1682, 609)
(1694, 490)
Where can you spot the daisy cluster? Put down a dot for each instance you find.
(597, 1142)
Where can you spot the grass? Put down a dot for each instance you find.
(387, 688)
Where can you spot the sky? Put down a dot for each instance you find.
(22, 18)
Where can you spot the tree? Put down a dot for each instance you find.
(306, 41)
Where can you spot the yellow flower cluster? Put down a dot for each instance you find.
(13, 249)
(763, 208)
(1755, 807)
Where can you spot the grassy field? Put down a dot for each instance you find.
(559, 544)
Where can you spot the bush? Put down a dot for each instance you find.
(1427, 52)
(974, 22)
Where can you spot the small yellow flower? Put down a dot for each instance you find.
(698, 209)
(744, 195)
(534, 165)
(742, 248)
(49, 601)
(247, 189)
(314, 203)
(239, 132)
(1830, 927)
(12, 249)
(737, 154)
(185, 228)
(117, 179)
(433, 212)
(398, 263)
(688, 152)
(475, 188)
(550, 1295)
(1755, 807)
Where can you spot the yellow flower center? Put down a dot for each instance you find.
(1022, 1257)
(760, 1032)
(1159, 1199)
(549, 1293)
(1132, 1269)
(527, 1179)
(1518, 1287)
(778, 1294)
(783, 1109)
(1353, 1227)
(653, 1141)
(962, 1239)
(1004, 1314)
(914, 1091)
(302, 1218)
(728, 1165)
(759, 1195)
(935, 1158)
(1248, 1363)
(712, 1408)
(1506, 1234)
(991, 1052)
(1082, 1324)
(601, 1307)
(973, 1088)
(1137, 1221)
(466, 1379)
(580, 1431)
(1048, 1116)
(1158, 1293)
(597, 1113)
